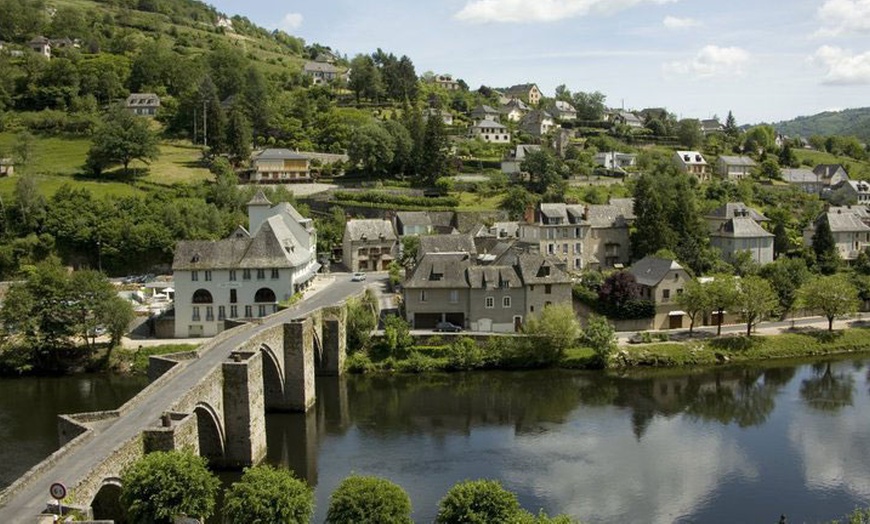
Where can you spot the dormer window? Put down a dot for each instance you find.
(687, 158)
(195, 258)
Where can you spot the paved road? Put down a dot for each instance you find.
(72, 468)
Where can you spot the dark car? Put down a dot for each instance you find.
(447, 327)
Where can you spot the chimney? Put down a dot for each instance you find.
(586, 212)
(529, 215)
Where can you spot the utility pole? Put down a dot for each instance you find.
(204, 125)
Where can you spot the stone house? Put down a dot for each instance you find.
(246, 275)
(369, 245)
(321, 72)
(485, 112)
(626, 118)
(537, 123)
(41, 45)
(692, 162)
(445, 115)
(528, 93)
(615, 161)
(831, 174)
(558, 230)
(7, 167)
(743, 234)
(661, 280)
(490, 131)
(805, 179)
(424, 222)
(514, 110)
(849, 192)
(143, 104)
(851, 234)
(446, 82)
(279, 165)
(734, 167)
(711, 125)
(511, 165)
(606, 245)
(563, 110)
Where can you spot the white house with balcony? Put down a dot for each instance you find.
(246, 275)
(490, 131)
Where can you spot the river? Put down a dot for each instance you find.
(742, 444)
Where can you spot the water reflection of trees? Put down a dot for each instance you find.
(826, 390)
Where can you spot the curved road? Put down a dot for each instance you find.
(70, 469)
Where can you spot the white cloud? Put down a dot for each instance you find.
(290, 22)
(844, 16)
(844, 67)
(673, 22)
(518, 11)
(711, 61)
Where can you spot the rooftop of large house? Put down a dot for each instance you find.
(370, 229)
(142, 99)
(742, 227)
(799, 175)
(691, 157)
(741, 160)
(736, 209)
(278, 154)
(651, 270)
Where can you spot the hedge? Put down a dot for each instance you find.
(377, 197)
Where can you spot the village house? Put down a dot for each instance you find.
(369, 245)
(537, 123)
(563, 110)
(321, 72)
(446, 82)
(558, 230)
(490, 131)
(711, 125)
(693, 163)
(849, 192)
(661, 280)
(851, 234)
(511, 165)
(246, 275)
(615, 161)
(7, 167)
(831, 174)
(606, 246)
(143, 104)
(515, 110)
(485, 112)
(408, 223)
(743, 234)
(41, 45)
(528, 93)
(448, 286)
(445, 115)
(734, 167)
(805, 179)
(626, 118)
(279, 165)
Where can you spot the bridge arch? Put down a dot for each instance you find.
(106, 504)
(210, 433)
(273, 378)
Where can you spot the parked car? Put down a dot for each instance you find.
(447, 327)
(358, 277)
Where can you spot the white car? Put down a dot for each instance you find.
(358, 277)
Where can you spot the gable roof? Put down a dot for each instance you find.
(605, 216)
(537, 269)
(650, 270)
(453, 243)
(626, 206)
(493, 277)
(487, 123)
(742, 227)
(143, 99)
(413, 218)
(369, 229)
(691, 158)
(320, 67)
(736, 209)
(520, 89)
(844, 221)
(828, 170)
(742, 160)
(799, 176)
(440, 270)
(278, 154)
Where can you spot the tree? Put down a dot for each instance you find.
(825, 247)
(756, 300)
(722, 294)
(238, 136)
(619, 288)
(600, 335)
(410, 249)
(23, 148)
(29, 204)
(516, 201)
(543, 169)
(477, 502)
(555, 329)
(832, 296)
(368, 500)
(164, 485)
(652, 230)
(115, 314)
(434, 155)
(362, 318)
(266, 495)
(730, 128)
(397, 338)
(372, 148)
(365, 79)
(769, 169)
(694, 301)
(689, 133)
(121, 138)
(760, 139)
(213, 122)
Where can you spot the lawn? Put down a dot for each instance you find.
(477, 202)
(52, 155)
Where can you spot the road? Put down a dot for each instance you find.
(70, 469)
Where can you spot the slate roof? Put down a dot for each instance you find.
(737, 160)
(536, 269)
(736, 209)
(561, 105)
(570, 213)
(626, 205)
(522, 150)
(650, 271)
(536, 116)
(278, 154)
(484, 110)
(605, 216)
(844, 222)
(414, 218)
(143, 100)
(862, 212)
(369, 229)
(320, 67)
(828, 170)
(454, 243)
(519, 89)
(487, 123)
(742, 227)
(691, 158)
(516, 103)
(440, 270)
(493, 277)
(799, 176)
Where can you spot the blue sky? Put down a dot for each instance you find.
(766, 60)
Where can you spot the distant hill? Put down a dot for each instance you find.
(847, 122)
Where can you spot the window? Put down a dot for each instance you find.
(490, 302)
(261, 310)
(506, 302)
(194, 276)
(248, 312)
(531, 288)
(548, 288)
(454, 296)
(666, 295)
(209, 313)
(195, 316)
(531, 309)
(275, 273)
(234, 311)
(208, 275)
(202, 296)
(422, 295)
(232, 275)
(261, 274)
(233, 297)
(679, 291)
(222, 312)
(246, 274)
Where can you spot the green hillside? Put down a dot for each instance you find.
(847, 122)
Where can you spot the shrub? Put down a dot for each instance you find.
(478, 501)
(359, 362)
(419, 363)
(369, 500)
(265, 495)
(464, 353)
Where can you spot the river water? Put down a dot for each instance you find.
(726, 445)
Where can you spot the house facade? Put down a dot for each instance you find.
(279, 165)
(485, 112)
(369, 245)
(851, 234)
(563, 110)
(606, 245)
(143, 104)
(321, 72)
(446, 82)
(661, 280)
(528, 93)
(558, 230)
(246, 275)
(41, 45)
(850, 192)
(614, 160)
(805, 179)
(511, 165)
(515, 110)
(490, 131)
(537, 123)
(831, 174)
(734, 167)
(693, 163)
(742, 234)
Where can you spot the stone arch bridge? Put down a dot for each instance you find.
(212, 400)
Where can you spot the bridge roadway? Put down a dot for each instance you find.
(69, 469)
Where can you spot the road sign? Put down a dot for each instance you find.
(57, 491)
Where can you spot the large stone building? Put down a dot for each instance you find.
(280, 165)
(851, 234)
(661, 280)
(246, 275)
(369, 245)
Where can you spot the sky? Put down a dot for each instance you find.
(764, 60)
